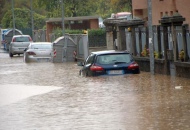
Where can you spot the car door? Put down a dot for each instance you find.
(87, 64)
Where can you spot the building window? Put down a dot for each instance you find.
(161, 0)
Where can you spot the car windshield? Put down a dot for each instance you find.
(113, 59)
(22, 39)
(41, 46)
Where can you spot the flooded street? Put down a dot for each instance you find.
(52, 96)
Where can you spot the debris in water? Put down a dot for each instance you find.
(178, 87)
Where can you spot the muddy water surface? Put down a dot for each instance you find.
(49, 96)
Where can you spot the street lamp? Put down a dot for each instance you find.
(63, 26)
(13, 17)
(151, 46)
(32, 20)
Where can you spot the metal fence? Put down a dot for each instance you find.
(181, 35)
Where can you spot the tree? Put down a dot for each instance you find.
(72, 8)
(122, 5)
(2, 3)
(22, 19)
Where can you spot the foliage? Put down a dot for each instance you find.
(2, 3)
(156, 55)
(182, 55)
(145, 52)
(52, 8)
(121, 5)
(58, 32)
(22, 19)
(96, 32)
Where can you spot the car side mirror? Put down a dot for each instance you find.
(80, 63)
(25, 49)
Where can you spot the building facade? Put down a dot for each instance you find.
(161, 8)
(72, 23)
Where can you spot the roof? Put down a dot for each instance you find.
(21, 36)
(61, 38)
(41, 43)
(109, 51)
(123, 13)
(16, 30)
(72, 18)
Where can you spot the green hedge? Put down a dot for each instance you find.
(96, 32)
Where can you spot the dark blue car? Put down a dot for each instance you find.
(109, 62)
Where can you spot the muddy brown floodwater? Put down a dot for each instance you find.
(52, 96)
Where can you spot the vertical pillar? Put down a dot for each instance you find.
(140, 41)
(109, 39)
(118, 38)
(151, 47)
(159, 40)
(184, 41)
(13, 17)
(174, 42)
(133, 40)
(32, 20)
(165, 49)
(63, 24)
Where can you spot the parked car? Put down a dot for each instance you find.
(109, 62)
(39, 52)
(18, 44)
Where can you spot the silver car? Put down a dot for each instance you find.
(18, 44)
(39, 52)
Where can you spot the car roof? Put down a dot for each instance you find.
(34, 43)
(109, 52)
(21, 35)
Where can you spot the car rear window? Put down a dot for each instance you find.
(22, 39)
(113, 58)
(41, 46)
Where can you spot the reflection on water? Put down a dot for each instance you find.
(11, 93)
(127, 102)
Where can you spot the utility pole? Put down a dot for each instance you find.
(13, 17)
(151, 45)
(63, 25)
(32, 19)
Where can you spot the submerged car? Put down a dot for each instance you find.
(109, 62)
(38, 52)
(18, 44)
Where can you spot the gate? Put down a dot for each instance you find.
(64, 48)
(82, 43)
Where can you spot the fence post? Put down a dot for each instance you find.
(185, 41)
